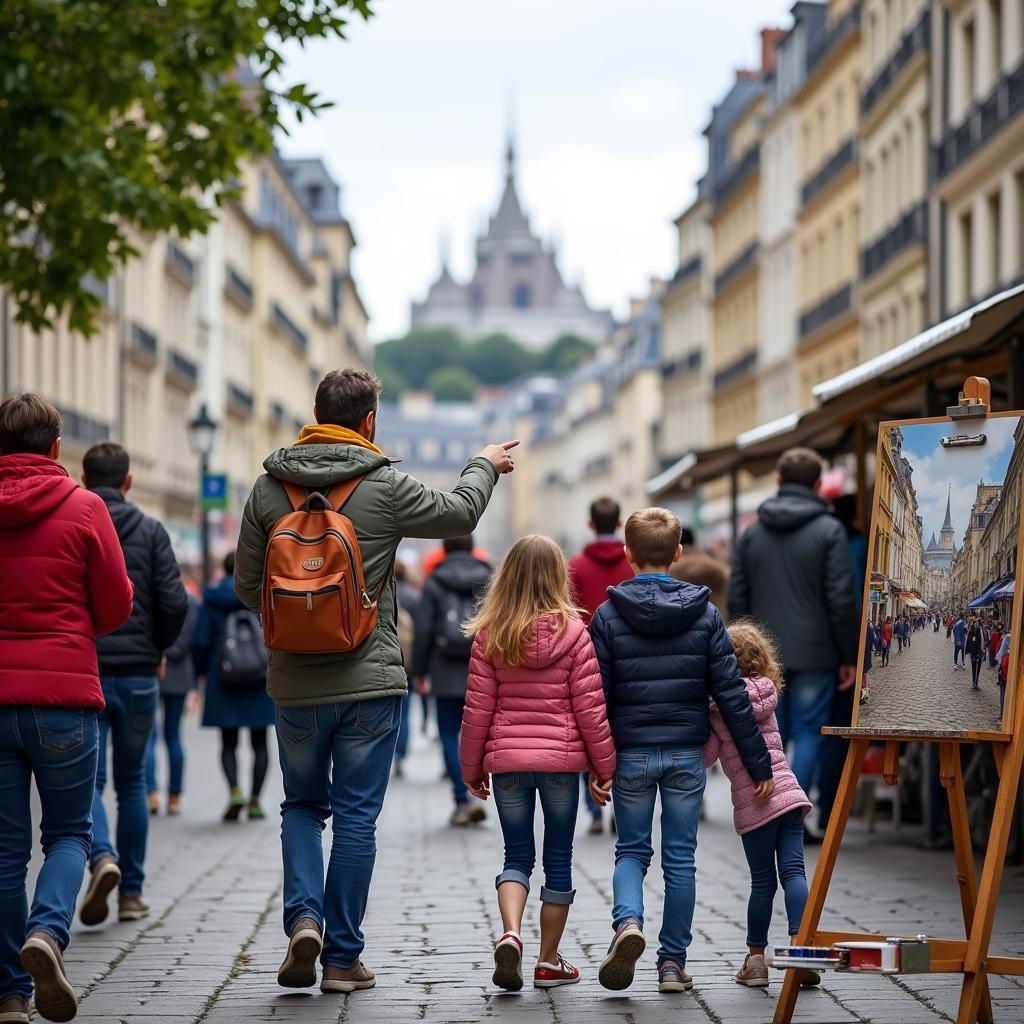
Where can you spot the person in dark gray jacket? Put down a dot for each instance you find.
(791, 572)
(176, 682)
(441, 655)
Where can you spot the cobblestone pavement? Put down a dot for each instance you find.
(920, 689)
(211, 949)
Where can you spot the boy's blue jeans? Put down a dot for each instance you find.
(127, 721)
(678, 774)
(336, 762)
(775, 852)
(515, 796)
(803, 708)
(173, 706)
(56, 746)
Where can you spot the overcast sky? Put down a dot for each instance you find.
(609, 102)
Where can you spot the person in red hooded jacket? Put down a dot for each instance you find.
(600, 565)
(65, 583)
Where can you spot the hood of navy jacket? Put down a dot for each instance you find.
(126, 516)
(659, 607)
(221, 595)
(31, 487)
(462, 573)
(794, 506)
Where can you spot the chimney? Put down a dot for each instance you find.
(769, 40)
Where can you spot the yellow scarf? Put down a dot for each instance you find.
(331, 433)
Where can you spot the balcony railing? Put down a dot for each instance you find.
(238, 288)
(985, 119)
(180, 263)
(686, 363)
(737, 175)
(822, 44)
(288, 327)
(240, 401)
(736, 370)
(182, 370)
(742, 263)
(80, 429)
(911, 229)
(143, 344)
(915, 40)
(824, 312)
(832, 168)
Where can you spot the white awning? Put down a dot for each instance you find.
(672, 475)
(768, 430)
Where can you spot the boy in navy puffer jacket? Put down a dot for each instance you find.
(664, 654)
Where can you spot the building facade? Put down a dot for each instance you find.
(516, 287)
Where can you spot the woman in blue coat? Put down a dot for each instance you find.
(231, 708)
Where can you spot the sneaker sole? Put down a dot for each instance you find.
(617, 971)
(508, 967)
(133, 915)
(13, 1017)
(299, 967)
(55, 998)
(94, 907)
(753, 982)
(675, 986)
(556, 983)
(346, 986)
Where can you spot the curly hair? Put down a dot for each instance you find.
(756, 652)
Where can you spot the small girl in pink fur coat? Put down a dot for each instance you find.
(772, 830)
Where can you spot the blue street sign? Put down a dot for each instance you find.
(215, 491)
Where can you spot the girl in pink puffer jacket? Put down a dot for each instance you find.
(534, 719)
(772, 828)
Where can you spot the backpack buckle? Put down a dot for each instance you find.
(367, 602)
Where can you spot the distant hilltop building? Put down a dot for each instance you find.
(516, 288)
(940, 554)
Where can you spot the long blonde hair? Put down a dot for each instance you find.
(532, 581)
(755, 652)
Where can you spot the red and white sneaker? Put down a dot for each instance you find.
(508, 962)
(556, 975)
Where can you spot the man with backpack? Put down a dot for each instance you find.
(316, 555)
(129, 660)
(441, 655)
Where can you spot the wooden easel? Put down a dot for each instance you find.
(968, 956)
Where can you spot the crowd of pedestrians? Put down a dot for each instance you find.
(637, 666)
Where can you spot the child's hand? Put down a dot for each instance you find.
(481, 788)
(763, 790)
(422, 685)
(600, 789)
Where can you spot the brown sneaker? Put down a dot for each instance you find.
(627, 947)
(807, 978)
(672, 977)
(154, 803)
(105, 877)
(55, 998)
(14, 1010)
(304, 948)
(347, 979)
(131, 908)
(754, 972)
(174, 805)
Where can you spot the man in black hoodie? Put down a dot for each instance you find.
(791, 572)
(441, 654)
(129, 659)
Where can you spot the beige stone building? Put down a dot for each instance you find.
(243, 320)
(828, 223)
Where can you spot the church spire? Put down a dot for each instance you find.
(947, 523)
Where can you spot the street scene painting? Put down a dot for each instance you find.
(936, 651)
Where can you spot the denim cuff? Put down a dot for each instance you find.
(563, 899)
(513, 875)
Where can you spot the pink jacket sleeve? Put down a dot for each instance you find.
(587, 694)
(111, 594)
(478, 715)
(712, 749)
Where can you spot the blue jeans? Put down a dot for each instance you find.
(678, 773)
(958, 653)
(58, 747)
(402, 747)
(128, 722)
(804, 707)
(775, 853)
(173, 708)
(515, 797)
(449, 726)
(336, 760)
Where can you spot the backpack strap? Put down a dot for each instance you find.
(336, 497)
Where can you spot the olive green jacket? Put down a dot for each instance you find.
(386, 507)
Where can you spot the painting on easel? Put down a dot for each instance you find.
(942, 596)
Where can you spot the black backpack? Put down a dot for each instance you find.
(242, 655)
(456, 609)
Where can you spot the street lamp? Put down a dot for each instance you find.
(202, 431)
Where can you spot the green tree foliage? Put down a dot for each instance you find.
(452, 384)
(419, 353)
(133, 113)
(498, 359)
(392, 379)
(565, 353)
